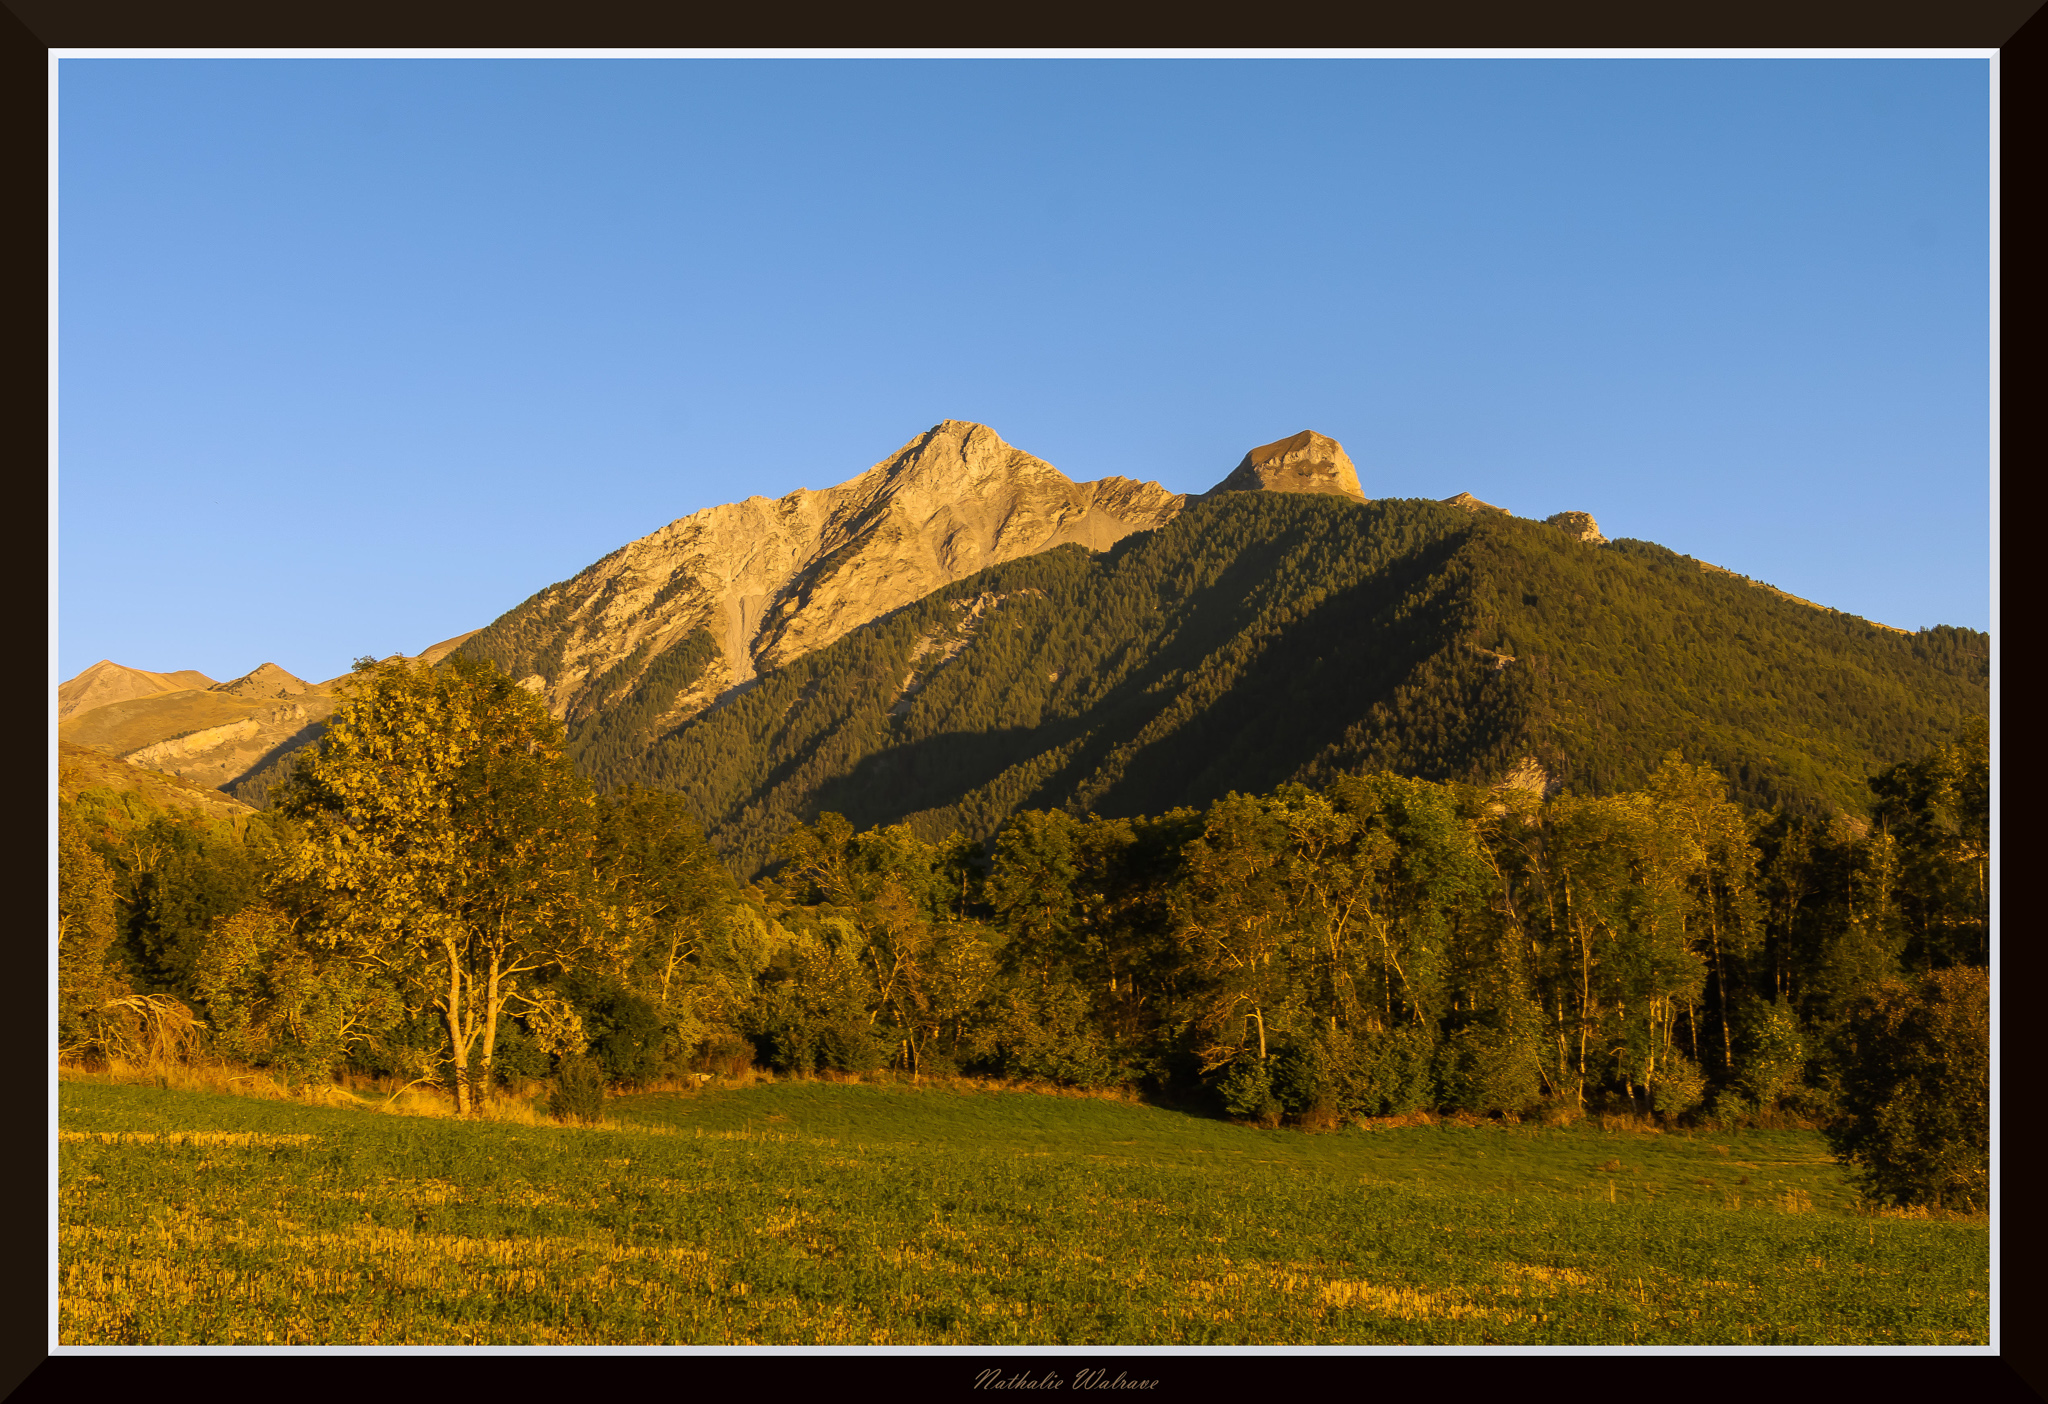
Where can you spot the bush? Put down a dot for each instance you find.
(1677, 1085)
(626, 1037)
(1770, 1056)
(1916, 1091)
(725, 1054)
(812, 1015)
(1051, 1034)
(517, 1058)
(579, 1091)
(1393, 1072)
(1247, 1090)
(1486, 1067)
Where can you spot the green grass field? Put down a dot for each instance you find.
(812, 1213)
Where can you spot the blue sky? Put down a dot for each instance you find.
(355, 355)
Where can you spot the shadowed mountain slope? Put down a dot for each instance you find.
(1259, 638)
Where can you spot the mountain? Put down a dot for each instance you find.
(962, 631)
(267, 681)
(213, 736)
(106, 681)
(232, 738)
(1306, 462)
(1260, 637)
(715, 600)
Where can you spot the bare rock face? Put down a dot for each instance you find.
(107, 682)
(1307, 462)
(1580, 526)
(267, 681)
(1467, 502)
(773, 579)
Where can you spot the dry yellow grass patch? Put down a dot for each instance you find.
(187, 1138)
(1402, 1303)
(1569, 1277)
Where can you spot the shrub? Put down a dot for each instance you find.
(1247, 1090)
(1677, 1085)
(1393, 1072)
(1052, 1034)
(1314, 1073)
(812, 1014)
(1916, 1091)
(626, 1037)
(1488, 1066)
(517, 1058)
(725, 1054)
(579, 1091)
(1729, 1108)
(1769, 1053)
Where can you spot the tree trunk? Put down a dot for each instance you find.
(492, 1003)
(461, 1031)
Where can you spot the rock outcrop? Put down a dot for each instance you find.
(773, 579)
(1579, 526)
(1467, 502)
(1306, 462)
(107, 682)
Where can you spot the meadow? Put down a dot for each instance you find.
(819, 1213)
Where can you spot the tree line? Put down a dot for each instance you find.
(438, 895)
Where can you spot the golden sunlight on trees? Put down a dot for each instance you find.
(450, 844)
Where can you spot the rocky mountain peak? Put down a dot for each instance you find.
(1304, 462)
(771, 579)
(269, 680)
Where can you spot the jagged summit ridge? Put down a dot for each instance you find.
(771, 579)
(1304, 462)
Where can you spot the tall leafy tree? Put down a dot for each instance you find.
(447, 840)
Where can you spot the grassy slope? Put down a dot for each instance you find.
(81, 768)
(121, 727)
(806, 1213)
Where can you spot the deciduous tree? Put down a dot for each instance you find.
(451, 843)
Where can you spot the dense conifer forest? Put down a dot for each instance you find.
(1264, 639)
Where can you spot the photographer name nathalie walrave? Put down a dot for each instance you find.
(1051, 1379)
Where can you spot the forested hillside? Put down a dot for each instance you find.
(441, 898)
(1259, 639)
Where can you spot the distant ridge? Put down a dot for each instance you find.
(267, 681)
(230, 739)
(107, 681)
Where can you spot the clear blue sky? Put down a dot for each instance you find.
(356, 355)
